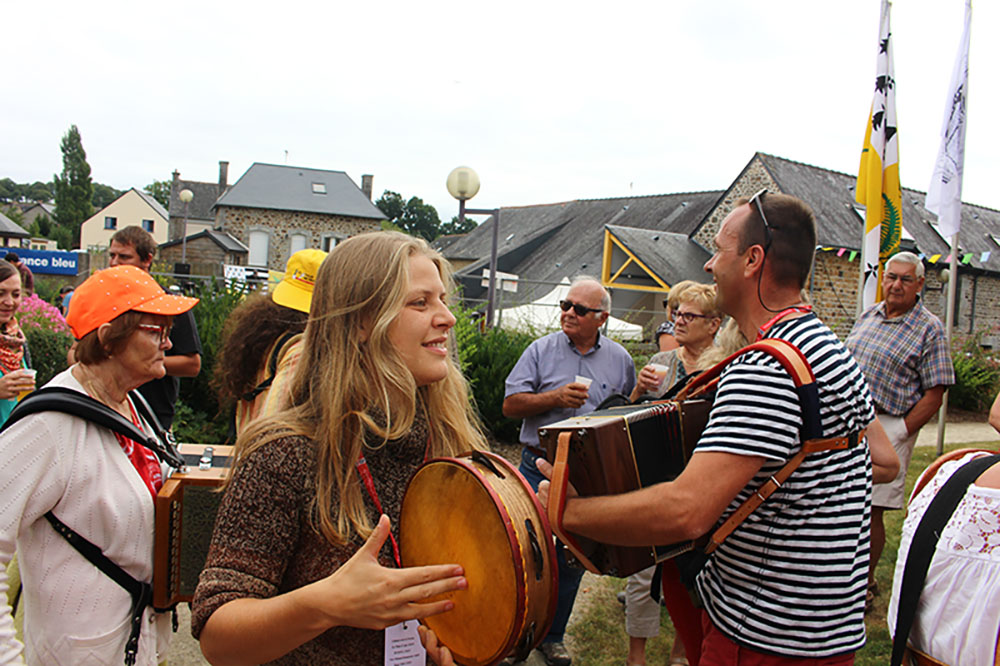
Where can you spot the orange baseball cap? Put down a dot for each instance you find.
(114, 291)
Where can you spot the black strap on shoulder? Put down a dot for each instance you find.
(68, 401)
(141, 593)
(272, 367)
(923, 544)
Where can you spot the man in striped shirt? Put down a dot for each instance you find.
(788, 585)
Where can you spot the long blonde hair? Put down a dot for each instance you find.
(342, 379)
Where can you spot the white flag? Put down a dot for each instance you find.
(944, 197)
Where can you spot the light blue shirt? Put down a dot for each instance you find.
(553, 361)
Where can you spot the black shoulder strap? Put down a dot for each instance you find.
(923, 544)
(141, 593)
(68, 401)
(272, 366)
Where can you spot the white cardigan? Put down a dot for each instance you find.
(74, 613)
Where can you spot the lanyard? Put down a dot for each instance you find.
(366, 478)
(762, 331)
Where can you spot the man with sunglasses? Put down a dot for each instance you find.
(902, 349)
(787, 585)
(542, 388)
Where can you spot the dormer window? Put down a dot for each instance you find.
(319, 188)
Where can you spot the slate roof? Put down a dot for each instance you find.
(831, 195)
(671, 256)
(200, 207)
(220, 238)
(154, 204)
(10, 228)
(277, 187)
(550, 242)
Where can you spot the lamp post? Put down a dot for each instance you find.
(463, 184)
(186, 196)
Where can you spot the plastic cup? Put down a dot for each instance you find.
(586, 381)
(25, 373)
(661, 374)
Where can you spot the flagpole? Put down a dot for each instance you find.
(949, 319)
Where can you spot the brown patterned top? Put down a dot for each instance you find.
(263, 543)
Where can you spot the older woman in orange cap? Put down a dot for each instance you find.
(262, 342)
(95, 482)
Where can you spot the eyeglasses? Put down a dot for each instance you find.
(756, 200)
(580, 310)
(162, 330)
(688, 317)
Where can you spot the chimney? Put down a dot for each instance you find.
(223, 176)
(366, 185)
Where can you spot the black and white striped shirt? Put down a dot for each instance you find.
(791, 579)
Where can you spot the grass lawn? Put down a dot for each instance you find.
(598, 632)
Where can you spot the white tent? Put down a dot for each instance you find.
(543, 315)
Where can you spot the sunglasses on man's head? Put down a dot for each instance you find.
(756, 201)
(580, 310)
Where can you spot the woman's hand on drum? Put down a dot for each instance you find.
(367, 595)
(439, 654)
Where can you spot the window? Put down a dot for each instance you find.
(147, 225)
(110, 222)
(319, 188)
(258, 248)
(298, 242)
(329, 242)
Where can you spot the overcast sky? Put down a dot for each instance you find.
(548, 101)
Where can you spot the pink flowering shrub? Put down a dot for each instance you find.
(36, 313)
(48, 335)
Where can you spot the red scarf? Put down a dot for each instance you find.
(142, 459)
(11, 347)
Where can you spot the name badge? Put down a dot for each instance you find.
(402, 645)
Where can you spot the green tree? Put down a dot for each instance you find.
(74, 189)
(41, 226)
(414, 216)
(8, 190)
(103, 195)
(37, 191)
(160, 190)
(458, 227)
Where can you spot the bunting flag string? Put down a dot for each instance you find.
(964, 258)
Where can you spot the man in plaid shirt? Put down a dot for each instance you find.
(903, 352)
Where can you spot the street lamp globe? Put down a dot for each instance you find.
(463, 183)
(186, 195)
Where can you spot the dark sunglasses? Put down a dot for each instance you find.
(580, 310)
(756, 200)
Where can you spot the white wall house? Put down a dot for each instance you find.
(133, 207)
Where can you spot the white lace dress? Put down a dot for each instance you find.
(959, 610)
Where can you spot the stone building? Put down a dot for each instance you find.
(200, 211)
(277, 210)
(206, 252)
(641, 246)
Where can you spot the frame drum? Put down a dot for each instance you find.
(477, 510)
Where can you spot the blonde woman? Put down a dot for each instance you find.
(290, 577)
(696, 319)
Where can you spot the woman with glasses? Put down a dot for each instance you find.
(100, 484)
(696, 321)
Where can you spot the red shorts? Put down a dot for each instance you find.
(718, 650)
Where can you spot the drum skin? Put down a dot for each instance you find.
(460, 511)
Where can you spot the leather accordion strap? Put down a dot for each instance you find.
(557, 501)
(760, 496)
